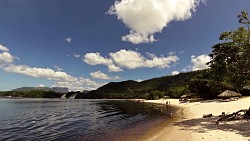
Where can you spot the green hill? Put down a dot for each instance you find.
(173, 86)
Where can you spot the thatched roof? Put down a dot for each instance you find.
(166, 97)
(228, 93)
(246, 87)
(185, 96)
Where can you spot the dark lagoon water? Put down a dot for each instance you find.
(77, 120)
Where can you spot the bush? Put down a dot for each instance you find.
(208, 89)
(176, 92)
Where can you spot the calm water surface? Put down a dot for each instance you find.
(76, 120)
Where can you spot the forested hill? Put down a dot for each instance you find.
(173, 86)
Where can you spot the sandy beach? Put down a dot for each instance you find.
(190, 126)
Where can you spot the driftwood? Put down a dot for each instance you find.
(241, 114)
(207, 115)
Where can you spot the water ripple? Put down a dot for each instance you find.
(47, 120)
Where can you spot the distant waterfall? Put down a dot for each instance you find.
(63, 96)
(73, 96)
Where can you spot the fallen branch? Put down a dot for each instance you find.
(241, 114)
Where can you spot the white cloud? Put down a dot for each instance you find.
(136, 38)
(146, 17)
(58, 68)
(113, 68)
(139, 80)
(100, 75)
(3, 48)
(97, 59)
(6, 57)
(199, 62)
(39, 72)
(61, 79)
(41, 85)
(68, 40)
(161, 62)
(79, 85)
(77, 55)
(175, 72)
(132, 60)
(129, 59)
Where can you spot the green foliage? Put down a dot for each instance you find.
(32, 94)
(176, 92)
(173, 86)
(156, 94)
(231, 58)
(207, 89)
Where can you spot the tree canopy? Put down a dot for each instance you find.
(231, 58)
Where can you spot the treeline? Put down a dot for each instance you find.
(230, 63)
(173, 86)
(31, 94)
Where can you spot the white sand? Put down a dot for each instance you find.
(192, 127)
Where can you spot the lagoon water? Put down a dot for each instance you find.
(76, 120)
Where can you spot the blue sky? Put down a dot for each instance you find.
(84, 44)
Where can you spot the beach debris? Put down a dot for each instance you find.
(241, 114)
(207, 115)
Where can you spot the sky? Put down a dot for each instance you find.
(85, 44)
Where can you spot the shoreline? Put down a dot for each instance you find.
(188, 124)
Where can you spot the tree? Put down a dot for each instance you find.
(231, 58)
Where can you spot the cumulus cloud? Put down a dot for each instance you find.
(68, 40)
(79, 85)
(113, 68)
(77, 55)
(39, 72)
(3, 48)
(199, 62)
(130, 59)
(61, 79)
(146, 17)
(100, 75)
(175, 72)
(137, 38)
(6, 57)
(97, 59)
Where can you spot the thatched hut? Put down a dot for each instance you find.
(185, 97)
(166, 97)
(246, 90)
(227, 94)
(247, 87)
